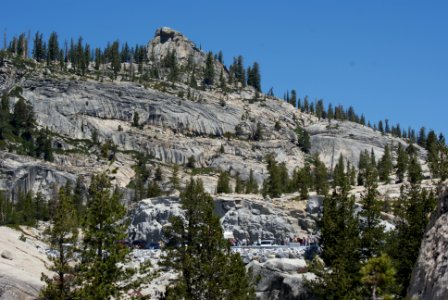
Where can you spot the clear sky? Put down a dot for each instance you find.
(387, 58)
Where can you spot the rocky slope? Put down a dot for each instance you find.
(177, 122)
(21, 264)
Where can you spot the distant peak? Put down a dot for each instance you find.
(166, 33)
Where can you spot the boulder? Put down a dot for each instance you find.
(6, 254)
(277, 279)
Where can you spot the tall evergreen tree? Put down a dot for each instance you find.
(99, 270)
(402, 162)
(223, 186)
(385, 165)
(372, 232)
(53, 47)
(199, 253)
(209, 71)
(272, 186)
(340, 247)
(252, 185)
(63, 235)
(414, 210)
(339, 174)
(320, 176)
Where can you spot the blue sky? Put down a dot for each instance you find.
(388, 59)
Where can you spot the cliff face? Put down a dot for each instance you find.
(430, 275)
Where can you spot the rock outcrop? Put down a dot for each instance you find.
(280, 278)
(246, 216)
(188, 55)
(430, 274)
(21, 269)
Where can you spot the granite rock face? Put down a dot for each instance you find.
(216, 129)
(246, 216)
(430, 274)
(280, 278)
(20, 174)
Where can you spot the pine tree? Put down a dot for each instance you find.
(293, 99)
(239, 185)
(40, 207)
(100, 257)
(158, 176)
(153, 189)
(414, 211)
(115, 58)
(253, 77)
(302, 181)
(320, 176)
(385, 165)
(303, 139)
(209, 72)
(252, 185)
(24, 210)
(22, 117)
(339, 174)
(53, 47)
(199, 253)
(38, 49)
(378, 275)
(272, 186)
(223, 186)
(79, 195)
(372, 232)
(414, 169)
(402, 162)
(174, 180)
(191, 163)
(63, 235)
(340, 247)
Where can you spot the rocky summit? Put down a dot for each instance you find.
(153, 121)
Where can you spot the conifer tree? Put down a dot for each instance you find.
(100, 257)
(302, 181)
(414, 169)
(158, 176)
(153, 189)
(340, 247)
(79, 197)
(414, 211)
(385, 165)
(115, 58)
(223, 186)
(253, 77)
(25, 210)
(402, 162)
(209, 72)
(372, 235)
(239, 185)
(38, 49)
(272, 186)
(53, 47)
(174, 180)
(303, 139)
(293, 99)
(378, 276)
(63, 235)
(252, 185)
(339, 174)
(320, 176)
(201, 256)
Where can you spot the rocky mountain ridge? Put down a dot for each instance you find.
(175, 123)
